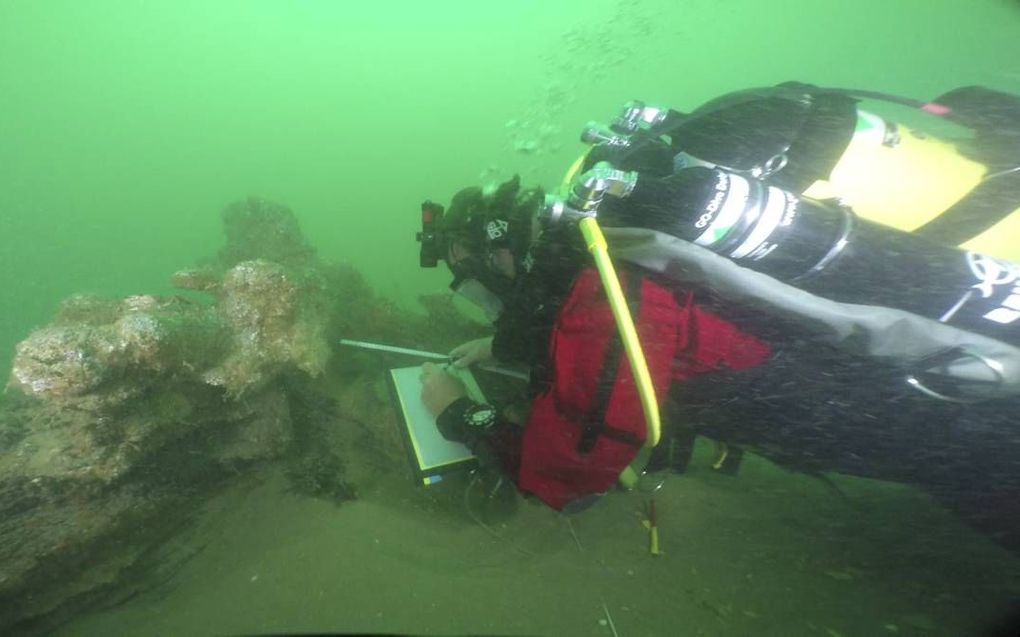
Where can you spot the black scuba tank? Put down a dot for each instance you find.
(823, 248)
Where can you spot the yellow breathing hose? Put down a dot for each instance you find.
(599, 250)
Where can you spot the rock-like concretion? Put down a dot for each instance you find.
(120, 412)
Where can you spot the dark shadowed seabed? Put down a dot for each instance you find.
(764, 553)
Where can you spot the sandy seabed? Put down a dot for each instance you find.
(763, 553)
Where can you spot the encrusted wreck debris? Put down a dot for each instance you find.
(121, 412)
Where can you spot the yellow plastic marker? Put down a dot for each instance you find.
(653, 530)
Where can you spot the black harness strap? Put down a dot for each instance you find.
(990, 202)
(594, 423)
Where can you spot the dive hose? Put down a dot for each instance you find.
(596, 244)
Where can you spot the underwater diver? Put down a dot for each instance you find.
(809, 280)
(488, 241)
(504, 258)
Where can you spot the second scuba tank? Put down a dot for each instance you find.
(825, 249)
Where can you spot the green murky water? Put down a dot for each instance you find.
(126, 126)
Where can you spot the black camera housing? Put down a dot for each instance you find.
(430, 237)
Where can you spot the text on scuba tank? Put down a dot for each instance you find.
(791, 209)
(789, 213)
(994, 273)
(721, 186)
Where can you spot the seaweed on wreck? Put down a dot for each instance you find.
(320, 475)
(314, 468)
(12, 429)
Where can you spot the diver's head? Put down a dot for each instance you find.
(483, 238)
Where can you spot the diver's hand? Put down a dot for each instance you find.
(473, 352)
(439, 388)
